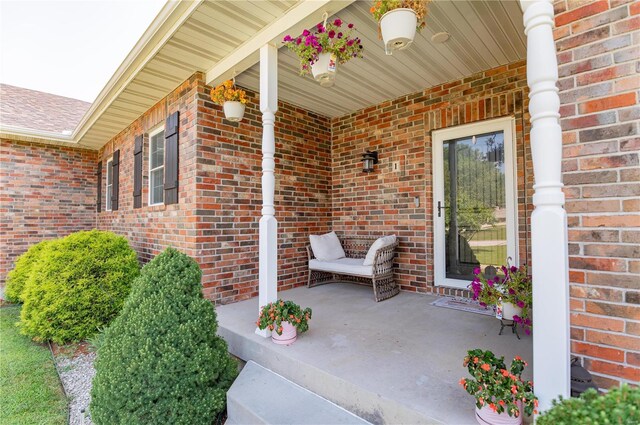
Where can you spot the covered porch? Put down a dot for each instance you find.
(359, 87)
(397, 361)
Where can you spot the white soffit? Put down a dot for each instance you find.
(186, 37)
(483, 34)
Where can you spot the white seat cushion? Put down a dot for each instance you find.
(379, 243)
(326, 247)
(351, 266)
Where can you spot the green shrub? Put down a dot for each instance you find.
(620, 406)
(78, 286)
(17, 278)
(161, 361)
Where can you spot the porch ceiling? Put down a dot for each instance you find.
(189, 36)
(484, 34)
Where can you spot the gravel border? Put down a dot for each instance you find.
(76, 374)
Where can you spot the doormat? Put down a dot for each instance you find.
(463, 304)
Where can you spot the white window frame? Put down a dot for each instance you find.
(438, 137)
(152, 170)
(109, 193)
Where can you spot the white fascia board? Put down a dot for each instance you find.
(303, 15)
(11, 132)
(169, 20)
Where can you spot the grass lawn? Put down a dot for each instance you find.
(30, 391)
(491, 255)
(498, 232)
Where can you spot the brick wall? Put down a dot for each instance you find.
(230, 198)
(383, 201)
(151, 229)
(216, 219)
(598, 50)
(46, 191)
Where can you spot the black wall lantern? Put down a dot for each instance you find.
(368, 160)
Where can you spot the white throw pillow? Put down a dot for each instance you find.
(326, 247)
(379, 243)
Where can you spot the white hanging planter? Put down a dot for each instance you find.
(324, 69)
(398, 28)
(233, 110)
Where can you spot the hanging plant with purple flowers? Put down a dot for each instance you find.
(510, 285)
(329, 37)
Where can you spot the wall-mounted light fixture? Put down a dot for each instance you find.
(368, 160)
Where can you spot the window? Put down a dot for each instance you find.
(156, 167)
(109, 191)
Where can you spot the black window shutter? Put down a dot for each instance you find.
(137, 172)
(171, 159)
(115, 187)
(99, 192)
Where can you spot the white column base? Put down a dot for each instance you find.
(268, 282)
(551, 336)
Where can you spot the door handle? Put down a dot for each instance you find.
(440, 208)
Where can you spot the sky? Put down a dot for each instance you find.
(69, 47)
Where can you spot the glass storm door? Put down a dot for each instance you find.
(474, 200)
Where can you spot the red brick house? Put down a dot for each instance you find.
(154, 159)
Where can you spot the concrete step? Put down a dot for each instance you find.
(260, 396)
(349, 394)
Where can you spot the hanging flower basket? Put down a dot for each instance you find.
(398, 21)
(233, 110)
(321, 51)
(232, 99)
(324, 69)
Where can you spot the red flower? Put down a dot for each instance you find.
(486, 367)
(505, 372)
(463, 382)
(518, 358)
(493, 407)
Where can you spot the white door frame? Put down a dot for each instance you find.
(438, 137)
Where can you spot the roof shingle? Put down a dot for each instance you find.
(36, 110)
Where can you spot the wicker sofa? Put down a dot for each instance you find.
(379, 275)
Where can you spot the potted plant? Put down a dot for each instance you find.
(284, 319)
(510, 291)
(398, 21)
(617, 406)
(322, 50)
(232, 99)
(501, 394)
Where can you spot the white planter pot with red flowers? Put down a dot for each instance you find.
(288, 334)
(398, 29)
(284, 319)
(486, 415)
(398, 21)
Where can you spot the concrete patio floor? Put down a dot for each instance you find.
(397, 361)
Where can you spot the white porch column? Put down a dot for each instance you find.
(268, 281)
(549, 251)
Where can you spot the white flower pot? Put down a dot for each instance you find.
(324, 69)
(398, 28)
(509, 310)
(233, 110)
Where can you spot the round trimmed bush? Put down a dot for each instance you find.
(78, 286)
(17, 278)
(618, 406)
(160, 361)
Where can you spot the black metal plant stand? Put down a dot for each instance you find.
(505, 324)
